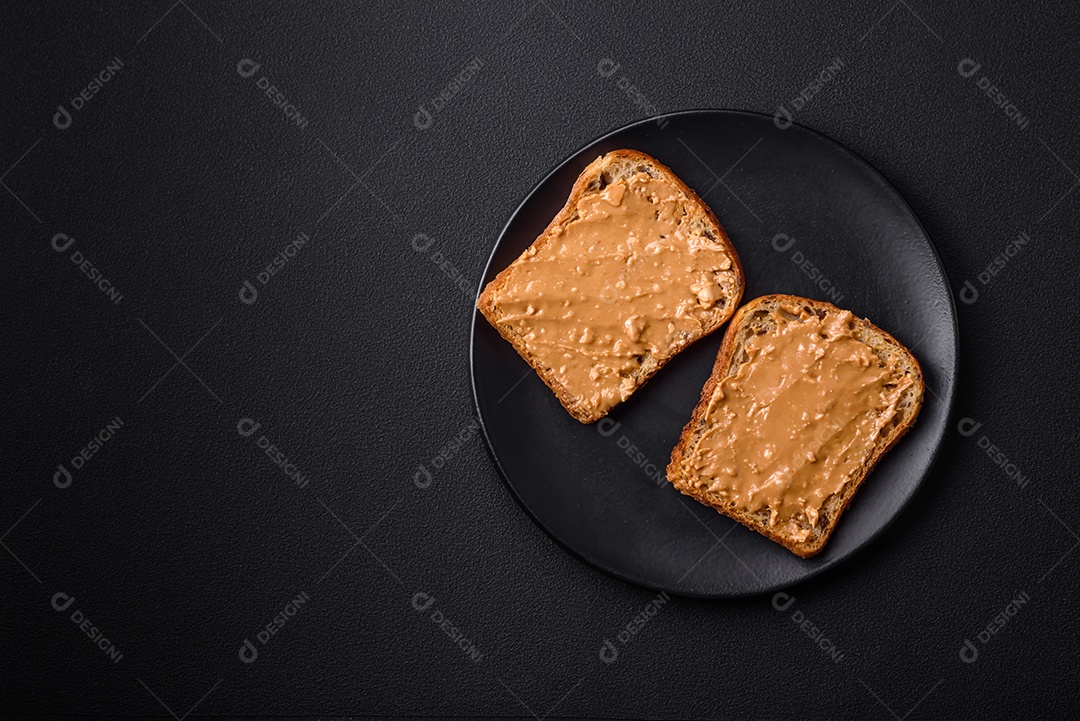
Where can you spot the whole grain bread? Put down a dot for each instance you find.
(756, 317)
(697, 220)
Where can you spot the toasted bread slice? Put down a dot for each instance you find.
(633, 269)
(803, 401)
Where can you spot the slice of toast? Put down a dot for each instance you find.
(803, 400)
(633, 269)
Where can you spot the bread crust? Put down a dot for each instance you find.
(726, 363)
(592, 172)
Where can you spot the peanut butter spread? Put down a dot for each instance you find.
(625, 279)
(797, 420)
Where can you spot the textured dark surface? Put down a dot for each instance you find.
(180, 180)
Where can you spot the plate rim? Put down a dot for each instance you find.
(811, 573)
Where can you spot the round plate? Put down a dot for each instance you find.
(807, 217)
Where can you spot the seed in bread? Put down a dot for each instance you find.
(803, 400)
(633, 269)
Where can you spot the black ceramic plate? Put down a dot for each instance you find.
(807, 217)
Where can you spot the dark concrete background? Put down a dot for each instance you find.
(180, 179)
